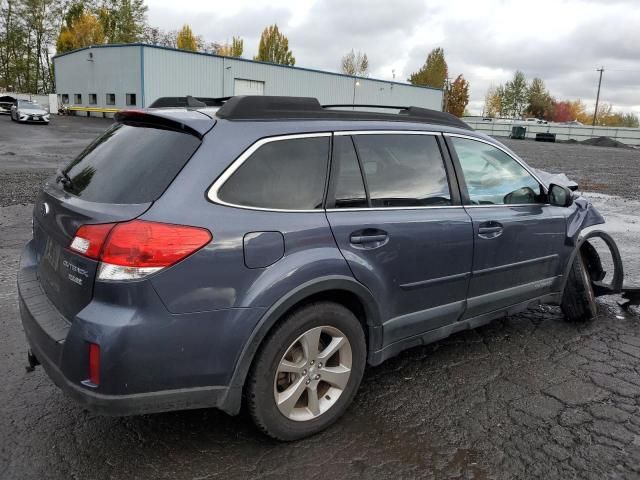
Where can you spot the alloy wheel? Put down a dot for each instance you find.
(313, 373)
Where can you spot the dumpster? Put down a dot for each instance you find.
(518, 132)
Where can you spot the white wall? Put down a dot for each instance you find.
(41, 99)
(630, 136)
(107, 70)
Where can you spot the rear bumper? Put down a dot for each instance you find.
(144, 371)
(132, 404)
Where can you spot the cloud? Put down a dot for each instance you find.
(561, 41)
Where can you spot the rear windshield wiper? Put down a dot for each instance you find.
(64, 178)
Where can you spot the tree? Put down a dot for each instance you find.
(494, 102)
(606, 117)
(562, 112)
(433, 73)
(123, 21)
(83, 31)
(355, 64)
(185, 39)
(630, 120)
(28, 28)
(231, 50)
(458, 96)
(274, 47)
(516, 95)
(568, 111)
(540, 103)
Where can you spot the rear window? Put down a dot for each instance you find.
(283, 174)
(130, 164)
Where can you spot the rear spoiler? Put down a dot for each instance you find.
(189, 121)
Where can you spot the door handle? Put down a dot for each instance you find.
(360, 239)
(490, 230)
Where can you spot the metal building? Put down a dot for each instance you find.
(106, 78)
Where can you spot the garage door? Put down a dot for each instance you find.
(248, 87)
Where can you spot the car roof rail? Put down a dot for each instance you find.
(258, 107)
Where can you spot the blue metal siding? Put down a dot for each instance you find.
(152, 72)
(178, 73)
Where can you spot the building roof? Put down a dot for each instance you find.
(277, 65)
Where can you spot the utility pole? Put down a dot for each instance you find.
(595, 112)
(445, 99)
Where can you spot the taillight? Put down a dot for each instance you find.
(135, 249)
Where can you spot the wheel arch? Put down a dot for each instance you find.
(344, 290)
(615, 286)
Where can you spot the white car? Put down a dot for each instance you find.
(28, 111)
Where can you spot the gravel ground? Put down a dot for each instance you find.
(596, 169)
(529, 396)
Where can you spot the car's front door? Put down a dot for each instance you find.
(398, 221)
(517, 235)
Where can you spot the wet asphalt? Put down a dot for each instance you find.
(529, 396)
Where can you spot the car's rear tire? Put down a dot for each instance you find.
(290, 392)
(578, 301)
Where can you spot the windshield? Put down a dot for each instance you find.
(32, 105)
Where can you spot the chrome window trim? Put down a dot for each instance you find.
(384, 132)
(502, 149)
(508, 205)
(384, 209)
(389, 132)
(212, 193)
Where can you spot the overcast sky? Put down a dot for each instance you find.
(561, 41)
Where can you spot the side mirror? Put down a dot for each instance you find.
(560, 196)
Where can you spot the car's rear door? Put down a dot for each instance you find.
(517, 235)
(397, 219)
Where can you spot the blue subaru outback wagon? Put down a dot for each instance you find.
(265, 251)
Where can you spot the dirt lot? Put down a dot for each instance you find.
(529, 396)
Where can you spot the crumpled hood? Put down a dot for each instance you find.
(557, 178)
(584, 215)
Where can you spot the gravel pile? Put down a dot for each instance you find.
(604, 142)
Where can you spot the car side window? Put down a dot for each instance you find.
(494, 178)
(349, 186)
(403, 170)
(287, 174)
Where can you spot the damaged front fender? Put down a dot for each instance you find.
(584, 215)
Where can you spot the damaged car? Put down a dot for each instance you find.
(6, 102)
(265, 251)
